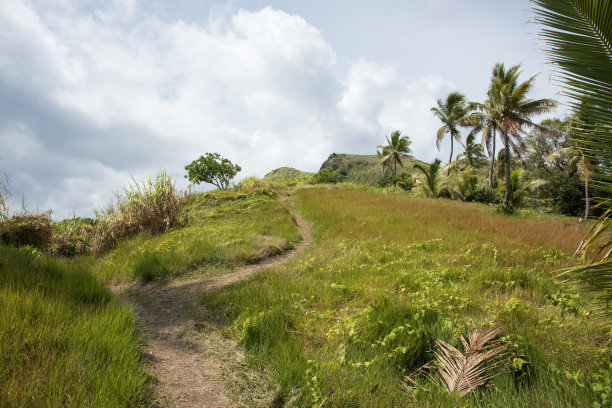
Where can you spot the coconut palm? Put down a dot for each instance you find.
(489, 132)
(432, 181)
(452, 112)
(513, 111)
(579, 36)
(472, 151)
(397, 148)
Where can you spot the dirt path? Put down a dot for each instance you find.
(195, 365)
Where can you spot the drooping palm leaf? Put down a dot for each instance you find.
(579, 38)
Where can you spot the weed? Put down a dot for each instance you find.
(151, 206)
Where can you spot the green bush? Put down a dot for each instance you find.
(326, 176)
(27, 229)
(386, 181)
(483, 194)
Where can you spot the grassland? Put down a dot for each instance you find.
(344, 325)
(223, 230)
(64, 340)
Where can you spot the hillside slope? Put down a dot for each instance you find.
(287, 175)
(362, 169)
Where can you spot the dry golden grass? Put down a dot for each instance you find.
(416, 219)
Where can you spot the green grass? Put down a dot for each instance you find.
(346, 322)
(64, 340)
(287, 175)
(225, 229)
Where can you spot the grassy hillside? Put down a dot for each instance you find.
(287, 175)
(224, 229)
(362, 169)
(64, 340)
(386, 275)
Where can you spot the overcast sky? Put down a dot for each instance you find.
(93, 93)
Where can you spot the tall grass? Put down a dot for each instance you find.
(64, 340)
(387, 275)
(150, 206)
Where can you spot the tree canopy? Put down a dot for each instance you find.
(213, 169)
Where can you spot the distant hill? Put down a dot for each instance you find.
(287, 175)
(363, 169)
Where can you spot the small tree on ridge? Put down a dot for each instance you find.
(213, 169)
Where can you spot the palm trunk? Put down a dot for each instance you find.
(450, 159)
(395, 167)
(507, 160)
(587, 199)
(492, 161)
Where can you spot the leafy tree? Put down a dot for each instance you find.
(326, 176)
(452, 112)
(213, 169)
(551, 135)
(397, 147)
(514, 112)
(432, 180)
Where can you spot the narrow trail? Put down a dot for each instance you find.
(196, 365)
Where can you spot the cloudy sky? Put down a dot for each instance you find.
(93, 93)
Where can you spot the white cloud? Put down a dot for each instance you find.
(114, 92)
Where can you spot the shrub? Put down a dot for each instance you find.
(405, 181)
(27, 229)
(386, 181)
(73, 236)
(483, 194)
(149, 207)
(326, 176)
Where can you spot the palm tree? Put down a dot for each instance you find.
(472, 150)
(490, 123)
(432, 178)
(452, 113)
(579, 35)
(397, 147)
(513, 111)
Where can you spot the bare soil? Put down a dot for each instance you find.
(196, 365)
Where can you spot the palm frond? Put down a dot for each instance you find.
(579, 38)
(483, 359)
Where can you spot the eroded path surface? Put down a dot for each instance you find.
(195, 365)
